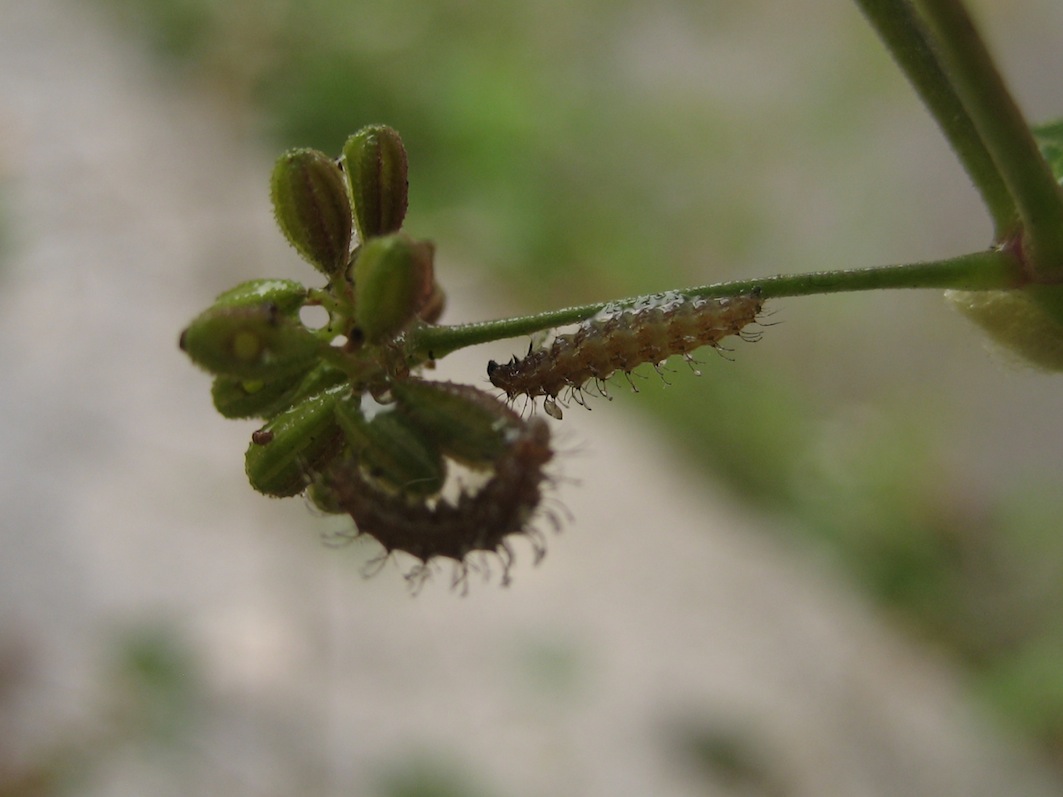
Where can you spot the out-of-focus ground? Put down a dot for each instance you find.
(164, 630)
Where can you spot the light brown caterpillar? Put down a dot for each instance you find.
(622, 337)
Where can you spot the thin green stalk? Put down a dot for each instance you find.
(906, 37)
(1005, 132)
(996, 268)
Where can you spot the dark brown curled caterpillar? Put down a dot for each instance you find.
(620, 338)
(478, 521)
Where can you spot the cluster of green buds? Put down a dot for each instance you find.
(345, 396)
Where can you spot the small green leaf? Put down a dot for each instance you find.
(312, 208)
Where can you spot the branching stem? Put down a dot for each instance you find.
(907, 39)
(996, 268)
(1005, 132)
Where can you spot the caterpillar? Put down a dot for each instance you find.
(477, 521)
(621, 337)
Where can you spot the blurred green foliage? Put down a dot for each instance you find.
(729, 756)
(550, 145)
(427, 776)
(156, 684)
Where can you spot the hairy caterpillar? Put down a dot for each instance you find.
(478, 521)
(619, 338)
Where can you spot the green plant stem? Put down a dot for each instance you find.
(906, 37)
(995, 268)
(1005, 132)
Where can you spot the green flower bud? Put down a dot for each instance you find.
(375, 161)
(312, 208)
(393, 279)
(1022, 321)
(467, 424)
(288, 296)
(287, 451)
(252, 342)
(249, 398)
(392, 450)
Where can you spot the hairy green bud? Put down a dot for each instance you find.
(250, 398)
(392, 450)
(377, 176)
(287, 296)
(467, 424)
(312, 208)
(251, 342)
(393, 280)
(287, 451)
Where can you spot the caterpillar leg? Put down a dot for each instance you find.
(690, 361)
